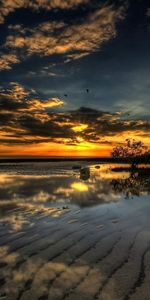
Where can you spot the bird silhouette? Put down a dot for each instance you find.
(65, 95)
(87, 90)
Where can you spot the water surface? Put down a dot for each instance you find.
(74, 232)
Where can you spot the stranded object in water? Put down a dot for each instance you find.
(85, 173)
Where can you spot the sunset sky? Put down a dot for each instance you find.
(74, 76)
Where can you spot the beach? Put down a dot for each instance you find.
(73, 231)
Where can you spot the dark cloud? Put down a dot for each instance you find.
(49, 128)
(10, 6)
(43, 52)
(17, 98)
(71, 40)
(21, 121)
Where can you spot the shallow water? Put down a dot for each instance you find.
(71, 233)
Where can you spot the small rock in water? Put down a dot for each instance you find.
(85, 173)
(65, 207)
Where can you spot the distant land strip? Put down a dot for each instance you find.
(65, 159)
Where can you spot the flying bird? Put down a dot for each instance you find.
(65, 95)
(87, 90)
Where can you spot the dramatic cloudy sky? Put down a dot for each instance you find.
(74, 76)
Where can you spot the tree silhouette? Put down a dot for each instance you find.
(134, 151)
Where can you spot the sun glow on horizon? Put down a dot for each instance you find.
(80, 144)
(55, 150)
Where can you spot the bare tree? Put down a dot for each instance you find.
(133, 150)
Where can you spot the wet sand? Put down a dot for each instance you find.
(60, 249)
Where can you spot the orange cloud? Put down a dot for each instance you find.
(9, 6)
(6, 61)
(29, 123)
(20, 99)
(73, 41)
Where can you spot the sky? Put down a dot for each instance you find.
(74, 76)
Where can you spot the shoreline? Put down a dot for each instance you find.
(71, 159)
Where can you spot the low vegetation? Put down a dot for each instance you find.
(135, 152)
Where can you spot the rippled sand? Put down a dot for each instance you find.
(62, 237)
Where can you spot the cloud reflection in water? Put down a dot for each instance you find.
(47, 194)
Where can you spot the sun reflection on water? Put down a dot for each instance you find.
(49, 194)
(79, 186)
